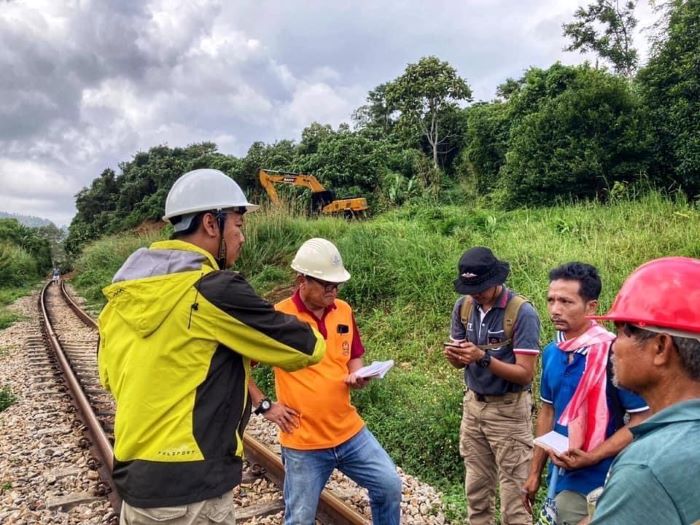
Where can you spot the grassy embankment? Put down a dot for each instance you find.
(403, 264)
(18, 273)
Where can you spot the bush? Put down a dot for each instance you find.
(7, 398)
(31, 241)
(17, 266)
(578, 142)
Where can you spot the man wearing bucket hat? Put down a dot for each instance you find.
(321, 429)
(495, 338)
(657, 355)
(176, 339)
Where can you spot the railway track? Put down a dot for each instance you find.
(71, 335)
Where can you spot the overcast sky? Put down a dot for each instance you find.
(86, 84)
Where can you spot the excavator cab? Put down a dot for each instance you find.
(321, 199)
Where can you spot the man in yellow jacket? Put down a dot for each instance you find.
(176, 339)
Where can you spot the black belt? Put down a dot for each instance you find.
(488, 398)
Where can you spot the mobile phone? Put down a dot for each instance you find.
(451, 343)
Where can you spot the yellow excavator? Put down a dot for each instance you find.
(322, 200)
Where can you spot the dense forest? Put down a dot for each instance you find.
(557, 134)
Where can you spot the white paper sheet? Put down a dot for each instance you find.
(377, 369)
(554, 441)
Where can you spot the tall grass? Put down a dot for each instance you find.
(101, 260)
(9, 295)
(403, 264)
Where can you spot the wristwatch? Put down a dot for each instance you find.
(263, 407)
(485, 361)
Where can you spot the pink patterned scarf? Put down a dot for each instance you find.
(587, 413)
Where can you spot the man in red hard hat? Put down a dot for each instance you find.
(657, 355)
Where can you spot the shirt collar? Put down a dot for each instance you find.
(301, 307)
(680, 412)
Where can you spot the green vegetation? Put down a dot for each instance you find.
(98, 264)
(403, 265)
(8, 296)
(25, 254)
(7, 398)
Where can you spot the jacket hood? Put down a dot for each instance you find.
(153, 280)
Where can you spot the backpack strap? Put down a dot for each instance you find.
(509, 318)
(465, 312)
(512, 310)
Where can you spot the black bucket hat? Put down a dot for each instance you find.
(479, 270)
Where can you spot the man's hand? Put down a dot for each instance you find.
(453, 357)
(472, 352)
(284, 417)
(573, 459)
(529, 491)
(463, 354)
(354, 381)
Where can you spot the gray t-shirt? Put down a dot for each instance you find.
(483, 329)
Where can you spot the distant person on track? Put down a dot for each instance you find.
(176, 339)
(56, 275)
(321, 429)
(657, 355)
(495, 338)
(576, 383)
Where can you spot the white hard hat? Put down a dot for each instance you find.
(320, 258)
(202, 190)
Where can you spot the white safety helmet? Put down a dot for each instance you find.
(321, 259)
(202, 190)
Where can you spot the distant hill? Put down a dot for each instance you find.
(26, 220)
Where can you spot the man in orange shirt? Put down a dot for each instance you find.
(321, 429)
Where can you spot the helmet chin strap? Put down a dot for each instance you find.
(221, 254)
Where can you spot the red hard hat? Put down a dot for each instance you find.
(664, 292)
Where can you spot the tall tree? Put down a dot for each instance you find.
(605, 28)
(587, 131)
(378, 114)
(427, 95)
(670, 85)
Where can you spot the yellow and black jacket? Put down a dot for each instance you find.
(176, 340)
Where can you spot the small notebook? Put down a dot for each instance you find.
(377, 369)
(554, 441)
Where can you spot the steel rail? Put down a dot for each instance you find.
(331, 508)
(99, 443)
(82, 314)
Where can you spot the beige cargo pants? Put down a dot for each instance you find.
(211, 511)
(496, 444)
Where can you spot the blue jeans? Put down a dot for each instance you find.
(361, 458)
